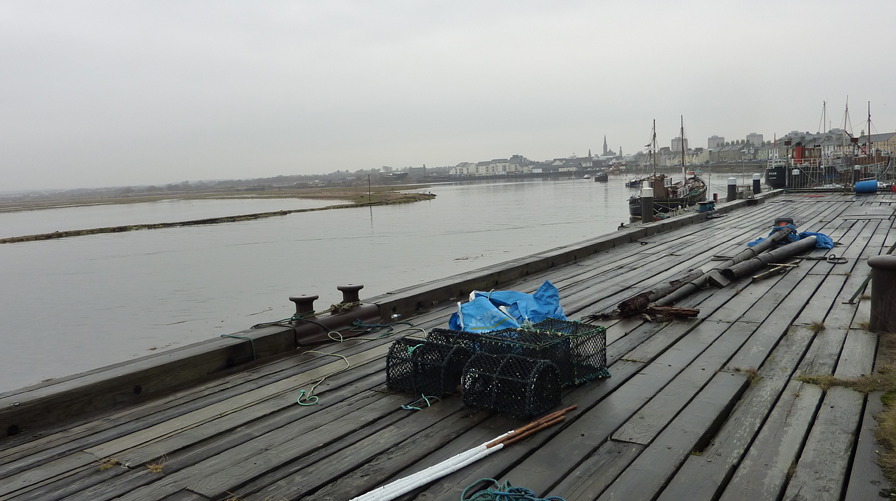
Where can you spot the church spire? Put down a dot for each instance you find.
(605, 144)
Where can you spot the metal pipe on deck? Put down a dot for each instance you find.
(746, 267)
(715, 274)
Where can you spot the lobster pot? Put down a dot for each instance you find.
(511, 384)
(424, 367)
(578, 350)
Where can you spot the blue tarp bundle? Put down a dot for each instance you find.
(490, 311)
(822, 241)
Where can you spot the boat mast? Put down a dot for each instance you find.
(653, 147)
(684, 173)
(869, 129)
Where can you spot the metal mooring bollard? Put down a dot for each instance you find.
(732, 189)
(646, 205)
(757, 184)
(304, 305)
(883, 293)
(350, 293)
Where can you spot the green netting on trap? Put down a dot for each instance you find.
(579, 351)
(511, 384)
(425, 367)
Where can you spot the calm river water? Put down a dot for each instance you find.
(74, 304)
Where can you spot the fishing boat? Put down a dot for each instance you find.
(601, 177)
(635, 182)
(668, 195)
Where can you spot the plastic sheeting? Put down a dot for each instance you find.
(822, 241)
(495, 310)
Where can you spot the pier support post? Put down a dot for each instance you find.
(757, 184)
(646, 205)
(732, 189)
(883, 293)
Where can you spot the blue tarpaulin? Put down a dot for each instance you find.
(822, 241)
(495, 310)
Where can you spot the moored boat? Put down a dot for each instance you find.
(669, 196)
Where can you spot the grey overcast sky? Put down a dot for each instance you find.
(119, 92)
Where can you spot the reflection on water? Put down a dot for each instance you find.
(75, 304)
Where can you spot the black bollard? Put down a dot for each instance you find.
(757, 184)
(350, 293)
(883, 293)
(646, 205)
(732, 189)
(304, 305)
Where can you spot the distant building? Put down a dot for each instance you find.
(754, 139)
(715, 142)
(676, 144)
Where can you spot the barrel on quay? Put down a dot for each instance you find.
(730, 404)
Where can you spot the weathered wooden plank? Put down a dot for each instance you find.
(42, 473)
(866, 479)
(821, 358)
(857, 357)
(780, 298)
(146, 415)
(86, 488)
(650, 340)
(596, 472)
(645, 477)
(647, 423)
(84, 434)
(286, 390)
(240, 464)
(757, 349)
(824, 308)
(766, 467)
(821, 471)
(702, 477)
(370, 463)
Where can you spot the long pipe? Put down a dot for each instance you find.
(759, 262)
(748, 253)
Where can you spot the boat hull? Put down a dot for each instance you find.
(776, 177)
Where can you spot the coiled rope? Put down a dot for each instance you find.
(503, 492)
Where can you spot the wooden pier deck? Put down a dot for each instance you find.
(699, 409)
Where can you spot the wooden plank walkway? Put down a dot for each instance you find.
(701, 409)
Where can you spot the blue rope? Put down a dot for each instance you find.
(412, 407)
(503, 492)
